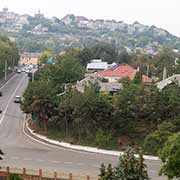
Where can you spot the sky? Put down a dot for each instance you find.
(161, 13)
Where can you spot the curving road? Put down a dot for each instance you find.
(21, 151)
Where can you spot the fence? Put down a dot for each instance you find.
(29, 174)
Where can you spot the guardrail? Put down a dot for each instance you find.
(30, 174)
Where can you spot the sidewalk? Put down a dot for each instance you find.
(44, 140)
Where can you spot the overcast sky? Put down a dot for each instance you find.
(162, 13)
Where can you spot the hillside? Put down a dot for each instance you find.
(35, 33)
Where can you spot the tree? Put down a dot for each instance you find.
(106, 174)
(130, 167)
(8, 54)
(154, 141)
(170, 156)
(40, 99)
(138, 77)
(135, 108)
(86, 55)
(86, 113)
(105, 52)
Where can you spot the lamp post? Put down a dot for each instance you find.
(5, 70)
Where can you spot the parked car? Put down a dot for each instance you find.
(17, 99)
(27, 71)
(0, 111)
(0, 93)
(18, 70)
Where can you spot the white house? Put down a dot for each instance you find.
(96, 65)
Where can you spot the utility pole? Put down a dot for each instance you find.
(164, 73)
(33, 77)
(5, 70)
(147, 73)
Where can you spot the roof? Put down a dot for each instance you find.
(50, 59)
(97, 65)
(121, 72)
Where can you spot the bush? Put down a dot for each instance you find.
(102, 138)
(14, 177)
(106, 174)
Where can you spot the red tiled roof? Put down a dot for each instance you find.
(123, 71)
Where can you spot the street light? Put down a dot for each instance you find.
(5, 70)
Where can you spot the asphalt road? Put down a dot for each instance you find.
(21, 151)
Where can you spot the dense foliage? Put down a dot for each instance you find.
(9, 54)
(101, 119)
(170, 156)
(41, 96)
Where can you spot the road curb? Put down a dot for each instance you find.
(48, 141)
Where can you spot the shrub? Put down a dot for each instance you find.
(102, 138)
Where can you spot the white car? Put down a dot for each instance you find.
(27, 71)
(19, 71)
(17, 99)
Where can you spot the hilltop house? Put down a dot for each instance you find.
(96, 65)
(120, 72)
(104, 86)
(29, 58)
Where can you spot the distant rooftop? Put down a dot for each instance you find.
(123, 71)
(97, 64)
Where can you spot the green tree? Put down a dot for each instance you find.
(154, 141)
(40, 99)
(8, 54)
(106, 174)
(138, 77)
(86, 55)
(170, 156)
(130, 167)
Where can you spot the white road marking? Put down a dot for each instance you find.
(80, 164)
(56, 162)
(27, 159)
(67, 162)
(40, 160)
(12, 96)
(14, 157)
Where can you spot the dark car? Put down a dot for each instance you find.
(0, 93)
